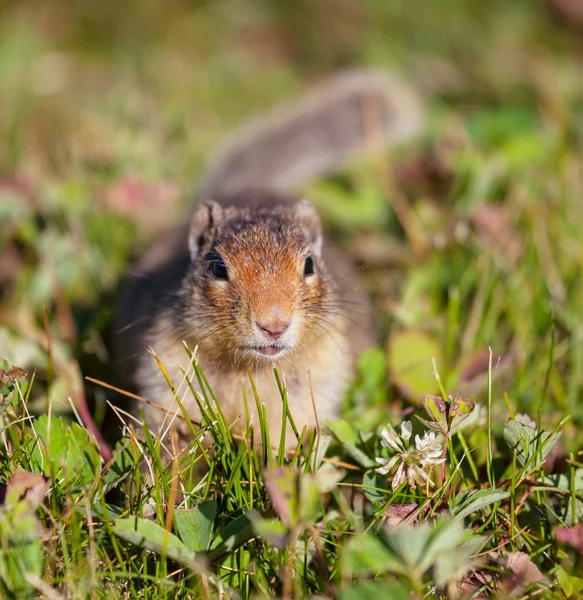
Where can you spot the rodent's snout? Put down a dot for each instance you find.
(273, 322)
(273, 328)
(273, 333)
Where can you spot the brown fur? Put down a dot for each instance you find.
(323, 320)
(264, 246)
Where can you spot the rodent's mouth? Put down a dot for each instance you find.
(271, 351)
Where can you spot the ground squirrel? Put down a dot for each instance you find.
(251, 282)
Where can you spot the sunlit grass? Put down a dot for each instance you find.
(108, 116)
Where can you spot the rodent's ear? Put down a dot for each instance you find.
(309, 219)
(205, 221)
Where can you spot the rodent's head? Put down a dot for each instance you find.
(257, 283)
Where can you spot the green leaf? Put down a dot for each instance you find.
(369, 387)
(235, 534)
(296, 496)
(52, 443)
(563, 482)
(72, 449)
(446, 415)
(571, 586)
(351, 440)
(372, 368)
(436, 407)
(375, 591)
(272, 530)
(24, 556)
(410, 360)
(310, 497)
(449, 551)
(327, 478)
(409, 542)
(495, 126)
(323, 445)
(445, 547)
(336, 204)
(375, 486)
(150, 536)
(364, 554)
(195, 526)
(104, 512)
(470, 502)
(122, 466)
(568, 517)
(454, 562)
(447, 534)
(20, 532)
(282, 486)
(524, 150)
(83, 457)
(527, 441)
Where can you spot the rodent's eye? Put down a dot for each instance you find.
(309, 266)
(217, 265)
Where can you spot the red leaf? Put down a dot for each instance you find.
(571, 536)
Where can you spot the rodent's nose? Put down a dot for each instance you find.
(274, 327)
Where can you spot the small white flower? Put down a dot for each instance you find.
(428, 445)
(429, 448)
(406, 430)
(391, 440)
(416, 475)
(387, 464)
(399, 476)
(412, 465)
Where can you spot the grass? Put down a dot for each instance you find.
(109, 112)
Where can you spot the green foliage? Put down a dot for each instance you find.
(530, 444)
(195, 525)
(446, 414)
(373, 591)
(235, 533)
(292, 519)
(470, 501)
(65, 451)
(21, 532)
(411, 551)
(351, 439)
(409, 354)
(109, 111)
(151, 536)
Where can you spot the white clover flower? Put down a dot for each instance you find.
(390, 439)
(429, 448)
(387, 464)
(399, 476)
(410, 471)
(416, 475)
(406, 430)
(412, 464)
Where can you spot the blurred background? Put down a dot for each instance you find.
(109, 110)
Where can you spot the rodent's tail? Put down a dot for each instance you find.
(314, 135)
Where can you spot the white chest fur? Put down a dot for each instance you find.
(329, 369)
